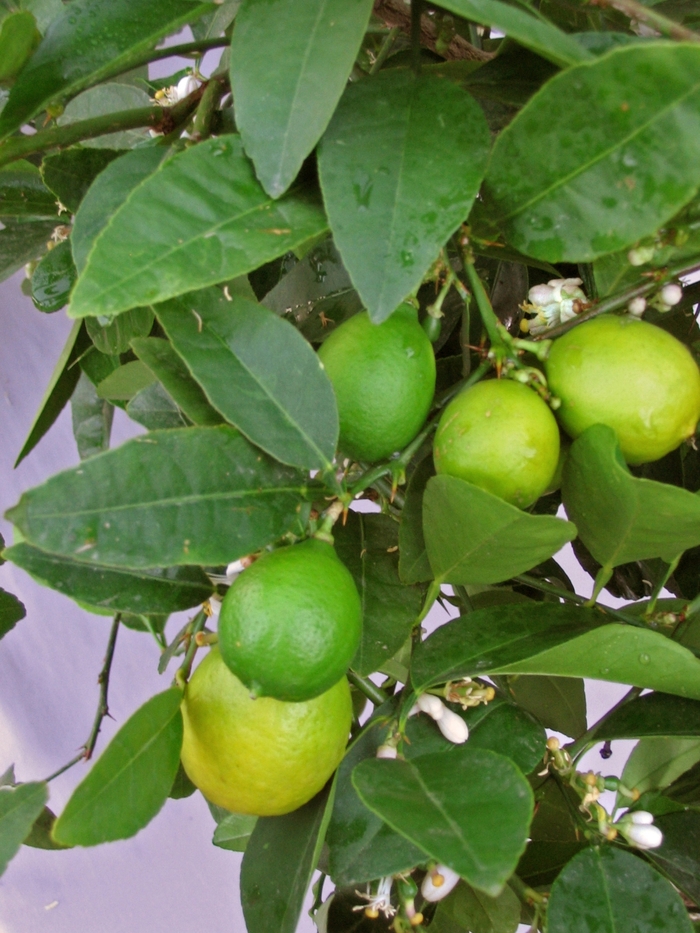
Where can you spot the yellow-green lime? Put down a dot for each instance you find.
(290, 624)
(384, 380)
(263, 757)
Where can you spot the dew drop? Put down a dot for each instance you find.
(644, 659)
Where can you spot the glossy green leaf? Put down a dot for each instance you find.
(606, 890)
(471, 812)
(558, 702)
(145, 591)
(367, 545)
(18, 39)
(285, 98)
(69, 174)
(53, 279)
(615, 178)
(40, 834)
(468, 909)
(101, 100)
(234, 832)
(170, 370)
(473, 536)
(147, 254)
(535, 34)
(400, 166)
(555, 835)
(11, 611)
(279, 861)
(657, 761)
(652, 714)
(259, 372)
(414, 566)
(85, 44)
(154, 408)
(679, 855)
(136, 506)
(130, 781)
(115, 338)
(621, 518)
(19, 807)
(44, 11)
(60, 388)
(22, 243)
(23, 194)
(108, 193)
(124, 383)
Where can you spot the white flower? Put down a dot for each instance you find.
(554, 303)
(438, 883)
(671, 294)
(453, 727)
(637, 306)
(379, 902)
(186, 86)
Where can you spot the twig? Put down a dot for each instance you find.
(384, 49)
(183, 671)
(370, 690)
(644, 14)
(397, 13)
(213, 92)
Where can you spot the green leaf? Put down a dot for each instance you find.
(657, 761)
(234, 831)
(468, 909)
(279, 861)
(155, 409)
(473, 536)
(19, 807)
(124, 383)
(11, 611)
(145, 591)
(22, 243)
(414, 566)
(555, 835)
(115, 338)
(69, 174)
(147, 254)
(558, 702)
(87, 42)
(285, 98)
(621, 518)
(535, 34)
(170, 370)
(400, 166)
(53, 279)
(228, 502)
(104, 99)
(471, 811)
(130, 781)
(60, 388)
(44, 11)
(367, 545)
(606, 890)
(259, 372)
(18, 39)
(615, 179)
(652, 714)
(23, 195)
(108, 192)
(40, 834)
(678, 856)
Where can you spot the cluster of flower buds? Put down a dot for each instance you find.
(468, 693)
(637, 827)
(438, 883)
(167, 96)
(557, 302)
(452, 726)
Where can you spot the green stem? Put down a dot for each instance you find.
(183, 672)
(416, 13)
(182, 51)
(525, 893)
(384, 49)
(431, 595)
(387, 490)
(369, 478)
(483, 303)
(588, 738)
(661, 583)
(643, 14)
(464, 338)
(370, 690)
(213, 92)
(578, 600)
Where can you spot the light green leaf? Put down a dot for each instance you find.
(654, 714)
(155, 409)
(656, 762)
(91, 417)
(125, 382)
(21, 243)
(234, 831)
(23, 195)
(18, 39)
(19, 807)
(146, 254)
(114, 338)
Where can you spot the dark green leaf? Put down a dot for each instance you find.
(40, 834)
(143, 591)
(18, 39)
(285, 98)
(400, 166)
(92, 419)
(653, 714)
(114, 338)
(60, 388)
(147, 254)
(174, 376)
(86, 43)
(234, 831)
(19, 807)
(606, 890)
(259, 372)
(22, 243)
(467, 909)
(155, 409)
(470, 812)
(615, 180)
(69, 174)
(555, 835)
(280, 858)
(11, 611)
(657, 761)
(193, 495)
(367, 545)
(473, 536)
(23, 195)
(414, 566)
(558, 702)
(107, 194)
(621, 518)
(53, 279)
(101, 100)
(129, 783)
(679, 855)
(126, 381)
(182, 786)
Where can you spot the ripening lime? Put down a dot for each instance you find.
(290, 624)
(263, 757)
(501, 436)
(384, 380)
(630, 375)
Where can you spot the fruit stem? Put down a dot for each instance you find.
(196, 626)
(370, 690)
(328, 519)
(660, 584)
(574, 598)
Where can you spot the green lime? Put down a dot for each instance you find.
(501, 436)
(290, 624)
(630, 375)
(384, 380)
(263, 757)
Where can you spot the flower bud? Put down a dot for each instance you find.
(386, 751)
(671, 294)
(453, 727)
(438, 883)
(640, 255)
(186, 86)
(637, 306)
(643, 836)
(432, 705)
(641, 817)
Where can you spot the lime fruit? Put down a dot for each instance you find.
(500, 436)
(262, 757)
(630, 375)
(384, 380)
(290, 624)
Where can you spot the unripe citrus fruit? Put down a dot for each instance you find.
(290, 624)
(384, 379)
(501, 436)
(630, 375)
(263, 757)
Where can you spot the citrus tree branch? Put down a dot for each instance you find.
(644, 14)
(370, 690)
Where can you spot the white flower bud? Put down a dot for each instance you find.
(431, 705)
(640, 255)
(386, 751)
(541, 295)
(234, 568)
(185, 87)
(643, 836)
(438, 883)
(453, 727)
(641, 817)
(671, 294)
(637, 306)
